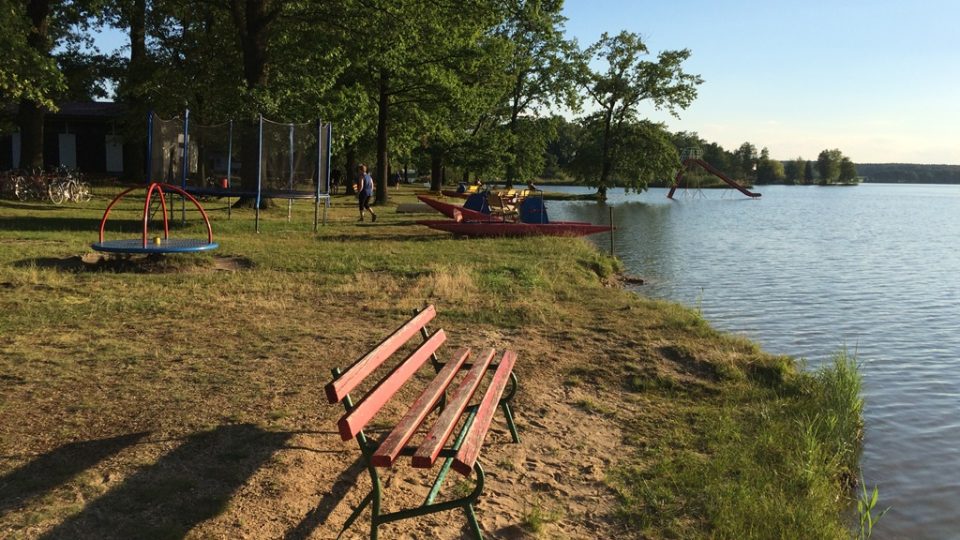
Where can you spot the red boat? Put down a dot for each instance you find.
(515, 229)
(457, 212)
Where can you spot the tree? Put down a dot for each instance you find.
(745, 162)
(640, 154)
(828, 166)
(39, 41)
(848, 171)
(619, 89)
(769, 171)
(808, 176)
(541, 71)
(794, 171)
(38, 28)
(413, 54)
(29, 71)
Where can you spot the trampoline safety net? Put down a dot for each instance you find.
(294, 159)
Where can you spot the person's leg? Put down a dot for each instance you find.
(361, 201)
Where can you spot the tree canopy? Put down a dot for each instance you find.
(474, 86)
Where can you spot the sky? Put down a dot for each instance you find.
(876, 79)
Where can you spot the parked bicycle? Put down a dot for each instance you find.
(68, 186)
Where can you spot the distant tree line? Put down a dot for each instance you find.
(744, 163)
(909, 173)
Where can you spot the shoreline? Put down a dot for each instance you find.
(634, 414)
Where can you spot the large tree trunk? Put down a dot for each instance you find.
(30, 115)
(137, 107)
(30, 121)
(383, 116)
(252, 19)
(436, 168)
(606, 163)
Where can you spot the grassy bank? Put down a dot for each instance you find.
(182, 397)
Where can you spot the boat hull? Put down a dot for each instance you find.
(510, 229)
(457, 212)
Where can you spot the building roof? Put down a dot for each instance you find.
(81, 109)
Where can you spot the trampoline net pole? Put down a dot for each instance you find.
(229, 163)
(259, 169)
(149, 145)
(185, 165)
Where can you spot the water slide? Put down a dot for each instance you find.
(712, 170)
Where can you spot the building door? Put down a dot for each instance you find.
(68, 150)
(15, 149)
(114, 146)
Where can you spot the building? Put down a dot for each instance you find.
(84, 136)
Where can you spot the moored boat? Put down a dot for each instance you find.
(457, 212)
(515, 229)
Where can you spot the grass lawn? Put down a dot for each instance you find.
(182, 396)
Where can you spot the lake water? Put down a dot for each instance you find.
(807, 270)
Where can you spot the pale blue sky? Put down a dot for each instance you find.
(877, 79)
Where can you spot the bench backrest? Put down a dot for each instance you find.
(359, 415)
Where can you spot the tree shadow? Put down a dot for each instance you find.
(28, 206)
(319, 515)
(185, 487)
(52, 223)
(57, 467)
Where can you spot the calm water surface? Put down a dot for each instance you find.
(807, 270)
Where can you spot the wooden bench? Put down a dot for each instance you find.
(457, 407)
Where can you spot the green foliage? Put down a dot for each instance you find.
(848, 171)
(828, 166)
(793, 171)
(541, 69)
(808, 175)
(27, 72)
(624, 83)
(640, 154)
(866, 504)
(769, 171)
(910, 173)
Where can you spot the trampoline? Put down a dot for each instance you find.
(291, 160)
(157, 244)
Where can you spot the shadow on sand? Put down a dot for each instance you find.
(192, 483)
(56, 467)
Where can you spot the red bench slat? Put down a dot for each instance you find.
(437, 437)
(470, 449)
(352, 422)
(354, 375)
(390, 448)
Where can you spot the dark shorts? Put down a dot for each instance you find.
(364, 200)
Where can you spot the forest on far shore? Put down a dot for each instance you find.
(909, 173)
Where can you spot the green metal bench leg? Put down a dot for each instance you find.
(507, 411)
(445, 468)
(356, 513)
(375, 511)
(513, 427)
(472, 520)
